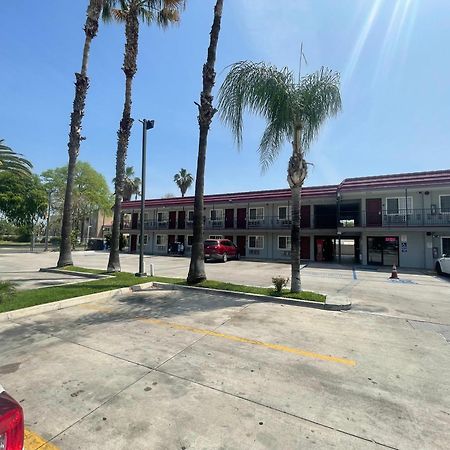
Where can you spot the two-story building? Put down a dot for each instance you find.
(401, 219)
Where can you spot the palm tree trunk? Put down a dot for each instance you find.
(81, 86)
(297, 171)
(123, 135)
(206, 113)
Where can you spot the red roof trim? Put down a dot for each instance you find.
(401, 180)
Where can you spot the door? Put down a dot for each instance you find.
(172, 219)
(229, 218)
(305, 217)
(133, 243)
(181, 220)
(134, 221)
(240, 243)
(305, 247)
(241, 218)
(373, 212)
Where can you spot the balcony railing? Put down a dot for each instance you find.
(402, 218)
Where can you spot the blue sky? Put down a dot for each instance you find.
(392, 55)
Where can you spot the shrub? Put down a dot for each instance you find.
(279, 283)
(7, 290)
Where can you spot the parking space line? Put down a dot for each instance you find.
(33, 441)
(282, 348)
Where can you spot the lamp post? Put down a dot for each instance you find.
(146, 125)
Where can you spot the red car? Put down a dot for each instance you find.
(11, 423)
(220, 249)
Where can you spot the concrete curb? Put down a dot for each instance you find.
(329, 304)
(96, 276)
(69, 302)
(339, 303)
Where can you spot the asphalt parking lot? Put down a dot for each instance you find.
(165, 369)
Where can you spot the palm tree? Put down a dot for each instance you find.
(11, 161)
(205, 115)
(131, 184)
(183, 179)
(161, 12)
(81, 86)
(294, 112)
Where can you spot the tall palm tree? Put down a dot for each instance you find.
(206, 113)
(130, 12)
(294, 112)
(11, 161)
(131, 184)
(183, 180)
(81, 86)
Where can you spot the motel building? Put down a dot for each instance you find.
(401, 219)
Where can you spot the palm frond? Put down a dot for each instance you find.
(271, 142)
(12, 161)
(319, 99)
(261, 89)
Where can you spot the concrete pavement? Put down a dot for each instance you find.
(171, 369)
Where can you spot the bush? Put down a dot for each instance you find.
(279, 283)
(55, 241)
(7, 290)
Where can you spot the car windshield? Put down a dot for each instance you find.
(211, 242)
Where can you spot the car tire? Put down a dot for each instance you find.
(205, 260)
(438, 269)
(238, 256)
(224, 258)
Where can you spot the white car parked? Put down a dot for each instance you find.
(443, 265)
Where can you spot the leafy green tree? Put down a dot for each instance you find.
(130, 12)
(131, 184)
(93, 12)
(13, 162)
(294, 111)
(183, 180)
(205, 115)
(23, 200)
(90, 193)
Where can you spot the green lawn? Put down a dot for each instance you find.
(32, 297)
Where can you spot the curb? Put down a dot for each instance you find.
(96, 276)
(327, 305)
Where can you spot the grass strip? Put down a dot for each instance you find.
(32, 297)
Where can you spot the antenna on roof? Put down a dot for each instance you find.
(302, 56)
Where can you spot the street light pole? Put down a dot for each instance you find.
(146, 125)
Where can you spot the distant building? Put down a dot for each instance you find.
(401, 219)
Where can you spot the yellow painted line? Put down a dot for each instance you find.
(281, 348)
(33, 441)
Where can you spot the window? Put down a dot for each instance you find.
(446, 246)
(162, 216)
(444, 201)
(283, 213)
(190, 217)
(256, 242)
(160, 239)
(145, 239)
(284, 242)
(399, 205)
(216, 214)
(190, 240)
(256, 213)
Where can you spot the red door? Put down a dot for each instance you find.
(240, 244)
(172, 219)
(229, 218)
(242, 218)
(181, 220)
(305, 217)
(133, 243)
(373, 212)
(134, 221)
(305, 248)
